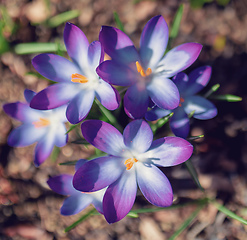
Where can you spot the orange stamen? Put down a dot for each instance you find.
(181, 101)
(78, 78)
(142, 71)
(42, 122)
(130, 162)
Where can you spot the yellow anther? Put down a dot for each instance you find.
(78, 78)
(142, 71)
(181, 101)
(42, 122)
(130, 162)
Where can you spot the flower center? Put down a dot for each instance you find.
(130, 162)
(78, 78)
(42, 122)
(181, 101)
(142, 71)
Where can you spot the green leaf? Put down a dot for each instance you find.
(62, 18)
(33, 47)
(176, 22)
(72, 126)
(212, 90)
(161, 122)
(80, 141)
(228, 213)
(157, 209)
(55, 153)
(192, 138)
(191, 114)
(227, 97)
(187, 222)
(118, 22)
(81, 219)
(69, 163)
(132, 215)
(193, 174)
(110, 117)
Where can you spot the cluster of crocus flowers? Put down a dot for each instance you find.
(198, 106)
(110, 183)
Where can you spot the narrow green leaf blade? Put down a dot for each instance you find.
(72, 126)
(227, 97)
(161, 122)
(118, 22)
(33, 47)
(187, 222)
(229, 213)
(62, 18)
(176, 22)
(69, 163)
(193, 174)
(81, 219)
(213, 89)
(55, 153)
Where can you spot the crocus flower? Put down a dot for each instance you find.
(76, 200)
(133, 159)
(201, 108)
(78, 82)
(146, 71)
(45, 127)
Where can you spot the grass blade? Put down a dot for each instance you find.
(118, 22)
(193, 174)
(33, 47)
(187, 222)
(176, 22)
(81, 219)
(228, 213)
(62, 18)
(227, 97)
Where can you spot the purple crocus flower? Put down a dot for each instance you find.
(146, 71)
(45, 127)
(78, 82)
(133, 159)
(76, 201)
(188, 86)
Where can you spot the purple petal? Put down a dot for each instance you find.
(179, 58)
(169, 151)
(21, 112)
(80, 106)
(61, 137)
(25, 135)
(154, 185)
(116, 74)
(75, 204)
(103, 136)
(107, 95)
(95, 55)
(203, 108)
(54, 67)
(156, 113)
(119, 197)
(153, 41)
(79, 163)
(179, 123)
(44, 148)
(198, 79)
(62, 184)
(54, 96)
(99, 173)
(164, 93)
(118, 45)
(29, 94)
(138, 136)
(136, 101)
(181, 80)
(76, 44)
